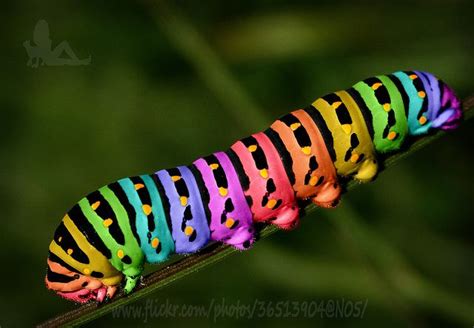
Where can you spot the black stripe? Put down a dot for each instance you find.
(145, 198)
(129, 209)
(105, 211)
(54, 258)
(258, 155)
(366, 113)
(283, 152)
(205, 197)
(68, 242)
(59, 277)
(88, 230)
(402, 91)
(164, 200)
(323, 129)
(180, 185)
(243, 177)
(219, 174)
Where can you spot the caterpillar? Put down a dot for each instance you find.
(107, 237)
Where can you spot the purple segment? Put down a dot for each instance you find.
(431, 85)
(189, 226)
(231, 225)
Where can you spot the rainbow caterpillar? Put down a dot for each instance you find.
(113, 231)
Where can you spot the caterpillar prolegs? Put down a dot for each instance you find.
(108, 236)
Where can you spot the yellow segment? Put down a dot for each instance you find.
(229, 222)
(264, 173)
(314, 179)
(252, 148)
(139, 186)
(222, 191)
(98, 262)
(392, 135)
(377, 85)
(271, 203)
(354, 158)
(413, 76)
(336, 104)
(146, 209)
(386, 107)
(95, 205)
(214, 166)
(422, 120)
(306, 150)
(421, 94)
(183, 200)
(188, 230)
(120, 254)
(175, 178)
(295, 126)
(107, 222)
(347, 128)
(155, 242)
(69, 251)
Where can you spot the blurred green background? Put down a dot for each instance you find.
(168, 84)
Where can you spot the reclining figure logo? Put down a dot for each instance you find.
(42, 53)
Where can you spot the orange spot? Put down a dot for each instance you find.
(392, 135)
(155, 242)
(422, 120)
(108, 222)
(354, 158)
(421, 94)
(413, 76)
(188, 230)
(69, 251)
(252, 148)
(306, 150)
(120, 254)
(377, 85)
(271, 203)
(87, 271)
(264, 173)
(229, 222)
(175, 178)
(222, 191)
(386, 107)
(146, 209)
(336, 104)
(314, 179)
(295, 126)
(95, 205)
(139, 186)
(183, 200)
(214, 166)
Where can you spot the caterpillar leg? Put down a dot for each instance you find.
(287, 219)
(328, 196)
(367, 171)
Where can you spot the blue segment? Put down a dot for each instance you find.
(161, 231)
(414, 107)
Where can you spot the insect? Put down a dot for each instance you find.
(107, 237)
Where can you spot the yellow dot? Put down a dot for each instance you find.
(422, 120)
(120, 254)
(392, 135)
(354, 158)
(86, 271)
(146, 209)
(264, 173)
(183, 200)
(229, 222)
(252, 148)
(222, 191)
(336, 104)
(69, 251)
(188, 230)
(108, 222)
(175, 178)
(60, 238)
(421, 94)
(139, 186)
(314, 179)
(377, 85)
(155, 242)
(271, 203)
(214, 166)
(306, 150)
(347, 128)
(95, 205)
(386, 107)
(413, 76)
(295, 126)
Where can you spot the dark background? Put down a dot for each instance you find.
(169, 84)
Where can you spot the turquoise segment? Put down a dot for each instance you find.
(414, 107)
(161, 231)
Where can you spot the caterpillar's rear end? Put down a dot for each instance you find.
(105, 239)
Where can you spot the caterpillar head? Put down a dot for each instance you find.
(73, 286)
